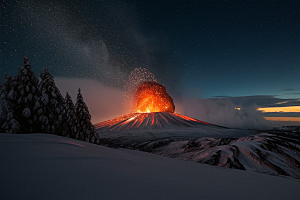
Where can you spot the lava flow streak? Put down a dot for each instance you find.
(150, 121)
(152, 97)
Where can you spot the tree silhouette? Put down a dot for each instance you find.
(21, 94)
(52, 115)
(29, 106)
(8, 99)
(85, 129)
(70, 117)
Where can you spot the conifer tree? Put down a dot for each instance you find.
(85, 129)
(8, 97)
(70, 127)
(28, 94)
(52, 111)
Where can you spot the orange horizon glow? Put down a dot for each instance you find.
(283, 119)
(280, 109)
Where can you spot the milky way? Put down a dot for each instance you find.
(196, 48)
(73, 41)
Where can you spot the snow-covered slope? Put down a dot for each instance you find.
(42, 166)
(148, 126)
(269, 153)
(150, 121)
(276, 152)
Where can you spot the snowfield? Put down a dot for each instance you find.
(43, 166)
(273, 152)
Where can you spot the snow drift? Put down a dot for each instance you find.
(43, 166)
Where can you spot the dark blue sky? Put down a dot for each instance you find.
(195, 48)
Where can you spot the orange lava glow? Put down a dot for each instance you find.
(152, 97)
(189, 118)
(284, 119)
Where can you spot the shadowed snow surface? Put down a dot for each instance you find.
(42, 166)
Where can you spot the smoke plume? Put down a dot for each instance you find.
(222, 112)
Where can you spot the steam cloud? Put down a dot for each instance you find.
(222, 112)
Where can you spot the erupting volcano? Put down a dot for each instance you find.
(152, 97)
(152, 117)
(152, 108)
(152, 126)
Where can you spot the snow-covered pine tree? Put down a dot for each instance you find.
(27, 95)
(85, 129)
(70, 127)
(8, 99)
(52, 105)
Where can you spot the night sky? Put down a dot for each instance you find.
(196, 49)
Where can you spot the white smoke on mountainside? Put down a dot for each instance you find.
(222, 112)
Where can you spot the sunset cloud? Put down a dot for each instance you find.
(280, 109)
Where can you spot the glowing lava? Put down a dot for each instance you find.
(152, 97)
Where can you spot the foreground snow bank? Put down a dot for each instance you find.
(41, 166)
